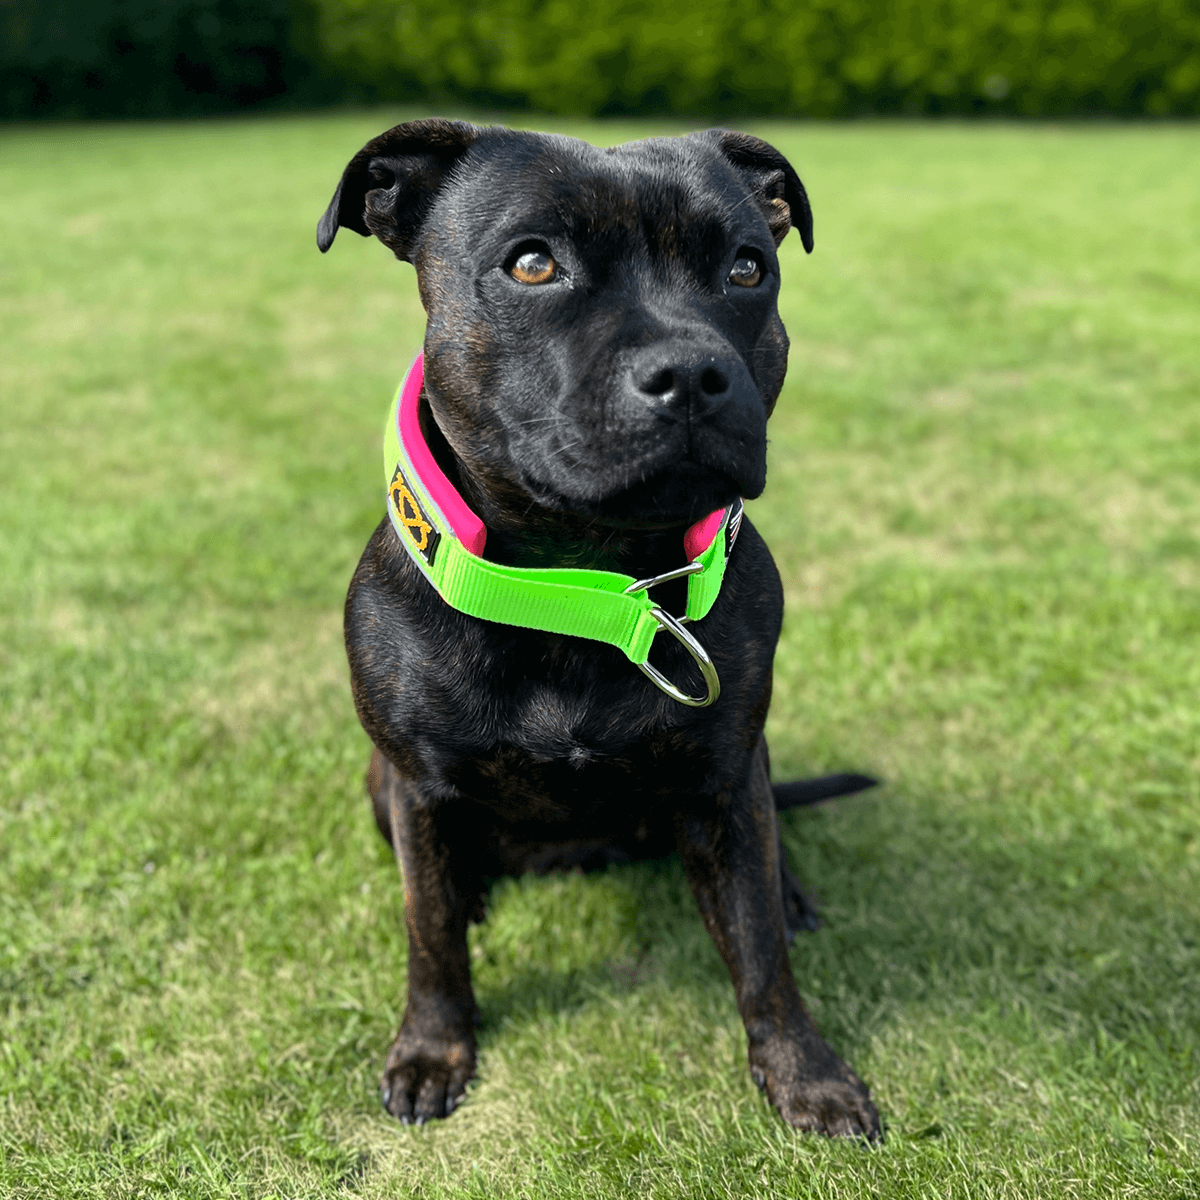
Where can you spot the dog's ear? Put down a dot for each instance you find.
(775, 184)
(388, 186)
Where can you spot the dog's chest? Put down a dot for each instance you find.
(559, 757)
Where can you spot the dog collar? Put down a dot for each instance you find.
(446, 539)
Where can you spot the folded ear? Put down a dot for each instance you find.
(389, 185)
(776, 186)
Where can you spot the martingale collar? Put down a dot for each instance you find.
(446, 539)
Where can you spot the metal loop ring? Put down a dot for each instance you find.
(698, 653)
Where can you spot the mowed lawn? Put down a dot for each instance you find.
(984, 496)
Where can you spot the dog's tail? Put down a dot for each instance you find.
(800, 792)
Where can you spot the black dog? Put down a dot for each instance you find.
(602, 353)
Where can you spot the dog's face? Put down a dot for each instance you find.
(603, 336)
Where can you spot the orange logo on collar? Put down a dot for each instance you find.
(424, 537)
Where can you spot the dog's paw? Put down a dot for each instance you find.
(425, 1076)
(813, 1089)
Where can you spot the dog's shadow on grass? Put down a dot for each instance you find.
(654, 935)
(557, 943)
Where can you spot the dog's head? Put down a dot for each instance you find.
(603, 336)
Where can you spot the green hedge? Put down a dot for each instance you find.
(813, 57)
(148, 58)
(706, 57)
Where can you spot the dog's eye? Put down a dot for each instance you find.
(534, 266)
(747, 271)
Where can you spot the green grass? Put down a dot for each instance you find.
(985, 499)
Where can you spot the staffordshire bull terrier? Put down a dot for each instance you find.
(565, 467)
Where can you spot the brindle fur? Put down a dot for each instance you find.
(588, 421)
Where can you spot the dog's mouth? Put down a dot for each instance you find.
(638, 466)
(666, 499)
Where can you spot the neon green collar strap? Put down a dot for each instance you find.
(446, 539)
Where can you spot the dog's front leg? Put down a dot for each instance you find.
(433, 1055)
(730, 850)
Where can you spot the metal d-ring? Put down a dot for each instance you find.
(697, 651)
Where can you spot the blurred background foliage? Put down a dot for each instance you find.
(833, 58)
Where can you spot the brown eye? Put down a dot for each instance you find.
(534, 266)
(746, 272)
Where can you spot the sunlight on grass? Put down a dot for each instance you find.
(984, 497)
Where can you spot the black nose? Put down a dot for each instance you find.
(687, 376)
(671, 384)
